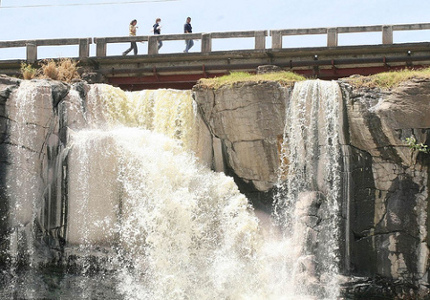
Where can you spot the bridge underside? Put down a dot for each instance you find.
(183, 70)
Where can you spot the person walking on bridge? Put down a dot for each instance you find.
(157, 30)
(132, 32)
(188, 29)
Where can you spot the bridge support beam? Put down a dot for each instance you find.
(31, 53)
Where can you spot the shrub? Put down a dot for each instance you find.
(414, 146)
(28, 71)
(65, 69)
(49, 69)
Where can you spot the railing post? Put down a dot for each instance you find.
(206, 43)
(152, 45)
(387, 34)
(332, 37)
(276, 39)
(101, 47)
(31, 53)
(260, 40)
(84, 48)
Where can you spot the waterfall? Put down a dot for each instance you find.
(146, 218)
(308, 201)
(180, 230)
(23, 183)
(137, 186)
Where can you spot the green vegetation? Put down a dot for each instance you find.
(412, 144)
(389, 80)
(28, 71)
(285, 78)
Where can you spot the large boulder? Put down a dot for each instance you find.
(248, 118)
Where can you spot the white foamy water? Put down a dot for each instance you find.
(308, 205)
(181, 230)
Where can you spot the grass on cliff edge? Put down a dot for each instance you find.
(236, 77)
(390, 79)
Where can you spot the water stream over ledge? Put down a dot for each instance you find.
(143, 217)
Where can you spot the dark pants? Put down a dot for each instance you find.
(133, 47)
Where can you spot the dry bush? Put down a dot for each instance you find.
(64, 69)
(27, 71)
(67, 70)
(49, 69)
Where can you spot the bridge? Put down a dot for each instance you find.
(182, 70)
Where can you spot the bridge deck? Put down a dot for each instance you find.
(182, 70)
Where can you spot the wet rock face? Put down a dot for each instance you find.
(248, 119)
(388, 188)
(389, 201)
(7, 85)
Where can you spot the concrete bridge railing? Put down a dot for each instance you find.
(206, 39)
(31, 46)
(333, 33)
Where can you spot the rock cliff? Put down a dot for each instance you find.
(386, 184)
(386, 205)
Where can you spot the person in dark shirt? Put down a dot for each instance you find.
(157, 30)
(188, 29)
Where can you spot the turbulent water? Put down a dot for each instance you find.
(147, 218)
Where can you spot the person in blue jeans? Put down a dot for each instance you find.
(188, 29)
(132, 32)
(157, 30)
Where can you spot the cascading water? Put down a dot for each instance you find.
(23, 186)
(145, 218)
(308, 202)
(182, 231)
(179, 230)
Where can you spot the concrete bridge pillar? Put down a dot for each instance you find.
(101, 47)
(152, 45)
(387, 34)
(31, 53)
(332, 37)
(206, 43)
(260, 40)
(84, 48)
(276, 39)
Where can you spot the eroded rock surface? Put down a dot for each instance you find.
(248, 119)
(387, 206)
